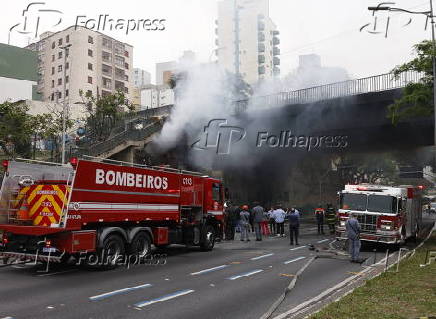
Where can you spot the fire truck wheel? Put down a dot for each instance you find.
(140, 245)
(113, 246)
(208, 240)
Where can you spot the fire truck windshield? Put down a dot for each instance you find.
(353, 201)
(372, 203)
(382, 204)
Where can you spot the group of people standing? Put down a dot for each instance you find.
(260, 221)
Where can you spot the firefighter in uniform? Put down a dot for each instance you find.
(330, 218)
(319, 214)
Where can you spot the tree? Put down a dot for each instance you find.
(103, 112)
(15, 129)
(417, 98)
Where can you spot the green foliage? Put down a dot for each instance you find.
(103, 112)
(417, 99)
(15, 129)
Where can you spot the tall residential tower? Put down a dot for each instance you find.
(247, 39)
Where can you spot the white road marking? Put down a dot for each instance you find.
(321, 241)
(293, 260)
(247, 274)
(296, 248)
(56, 273)
(7, 318)
(263, 256)
(163, 298)
(208, 270)
(117, 292)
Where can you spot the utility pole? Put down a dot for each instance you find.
(64, 104)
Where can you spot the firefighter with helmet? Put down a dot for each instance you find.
(330, 218)
(319, 215)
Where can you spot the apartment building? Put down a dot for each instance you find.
(92, 62)
(141, 78)
(247, 39)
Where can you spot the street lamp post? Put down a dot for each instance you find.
(64, 106)
(429, 15)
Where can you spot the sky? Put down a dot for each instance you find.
(328, 28)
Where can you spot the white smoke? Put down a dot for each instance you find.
(202, 94)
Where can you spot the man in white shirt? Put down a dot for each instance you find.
(279, 217)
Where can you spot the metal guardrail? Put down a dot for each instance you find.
(119, 139)
(378, 83)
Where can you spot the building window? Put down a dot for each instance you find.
(59, 68)
(126, 65)
(60, 55)
(90, 66)
(60, 42)
(67, 39)
(90, 40)
(126, 54)
(52, 83)
(53, 46)
(89, 52)
(60, 81)
(67, 93)
(52, 97)
(67, 52)
(90, 79)
(60, 95)
(89, 93)
(67, 79)
(67, 65)
(52, 70)
(52, 58)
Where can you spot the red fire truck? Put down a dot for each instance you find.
(386, 214)
(102, 206)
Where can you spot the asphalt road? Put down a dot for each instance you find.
(235, 280)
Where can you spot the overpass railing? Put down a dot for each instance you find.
(378, 83)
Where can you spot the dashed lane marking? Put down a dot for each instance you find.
(247, 274)
(322, 241)
(209, 270)
(260, 257)
(117, 292)
(235, 262)
(163, 298)
(293, 260)
(296, 248)
(286, 275)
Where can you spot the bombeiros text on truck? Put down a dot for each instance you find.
(387, 214)
(104, 208)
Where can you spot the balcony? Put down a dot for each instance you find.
(106, 57)
(261, 59)
(276, 32)
(106, 70)
(119, 74)
(107, 44)
(261, 70)
(260, 26)
(261, 48)
(119, 86)
(276, 41)
(276, 51)
(276, 71)
(261, 36)
(107, 84)
(276, 61)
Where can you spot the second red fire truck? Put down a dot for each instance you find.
(386, 214)
(104, 207)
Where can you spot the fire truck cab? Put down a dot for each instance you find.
(97, 206)
(386, 214)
